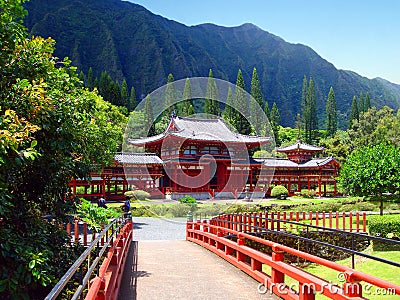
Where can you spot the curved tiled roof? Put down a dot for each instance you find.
(286, 163)
(202, 130)
(138, 159)
(300, 146)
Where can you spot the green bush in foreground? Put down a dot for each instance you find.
(140, 195)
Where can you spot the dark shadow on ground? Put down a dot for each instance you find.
(138, 225)
(128, 288)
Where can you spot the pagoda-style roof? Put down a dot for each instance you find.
(138, 159)
(286, 163)
(299, 146)
(201, 130)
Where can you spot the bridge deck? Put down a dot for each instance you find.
(177, 269)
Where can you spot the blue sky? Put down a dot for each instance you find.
(358, 35)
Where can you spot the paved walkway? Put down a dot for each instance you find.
(162, 265)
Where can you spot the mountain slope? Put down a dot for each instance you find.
(130, 42)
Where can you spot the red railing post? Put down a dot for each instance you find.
(344, 221)
(278, 224)
(364, 221)
(76, 232)
(306, 292)
(277, 255)
(351, 221)
(241, 242)
(272, 221)
(330, 220)
(85, 234)
(316, 218)
(337, 220)
(358, 221)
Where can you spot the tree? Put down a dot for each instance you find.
(211, 107)
(187, 99)
(90, 80)
(132, 100)
(367, 102)
(275, 121)
(228, 114)
(372, 170)
(52, 130)
(124, 94)
(354, 114)
(241, 106)
(361, 106)
(170, 97)
(331, 114)
(267, 111)
(149, 117)
(309, 110)
(256, 108)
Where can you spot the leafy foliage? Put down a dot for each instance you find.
(95, 216)
(279, 191)
(51, 129)
(141, 195)
(384, 226)
(372, 170)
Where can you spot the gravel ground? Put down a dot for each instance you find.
(159, 229)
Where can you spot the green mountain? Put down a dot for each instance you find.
(130, 42)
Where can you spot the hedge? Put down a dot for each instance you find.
(384, 225)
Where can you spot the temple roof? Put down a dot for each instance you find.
(138, 159)
(286, 163)
(300, 146)
(201, 130)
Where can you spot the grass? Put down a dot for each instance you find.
(369, 266)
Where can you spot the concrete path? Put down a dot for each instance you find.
(181, 270)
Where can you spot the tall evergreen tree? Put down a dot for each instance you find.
(90, 80)
(257, 107)
(149, 117)
(313, 110)
(275, 121)
(211, 104)
(241, 104)
(331, 114)
(361, 104)
(187, 99)
(367, 102)
(124, 94)
(228, 113)
(82, 77)
(354, 114)
(267, 110)
(170, 97)
(132, 100)
(309, 110)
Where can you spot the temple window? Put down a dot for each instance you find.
(190, 150)
(209, 150)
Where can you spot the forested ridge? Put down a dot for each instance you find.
(129, 42)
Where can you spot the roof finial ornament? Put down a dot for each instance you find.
(173, 114)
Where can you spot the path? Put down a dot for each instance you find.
(179, 270)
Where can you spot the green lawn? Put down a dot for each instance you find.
(369, 266)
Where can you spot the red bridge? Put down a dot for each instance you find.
(182, 270)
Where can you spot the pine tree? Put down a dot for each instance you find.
(90, 80)
(228, 113)
(256, 107)
(187, 99)
(367, 102)
(170, 98)
(313, 111)
(309, 110)
(361, 104)
(149, 118)
(354, 114)
(331, 114)
(132, 100)
(124, 94)
(211, 107)
(241, 104)
(267, 111)
(275, 121)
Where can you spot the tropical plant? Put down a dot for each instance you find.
(279, 192)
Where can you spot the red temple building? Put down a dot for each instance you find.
(205, 159)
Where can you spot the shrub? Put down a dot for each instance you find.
(384, 225)
(279, 192)
(361, 206)
(140, 195)
(187, 199)
(305, 193)
(129, 194)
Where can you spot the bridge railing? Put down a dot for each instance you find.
(251, 261)
(98, 271)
